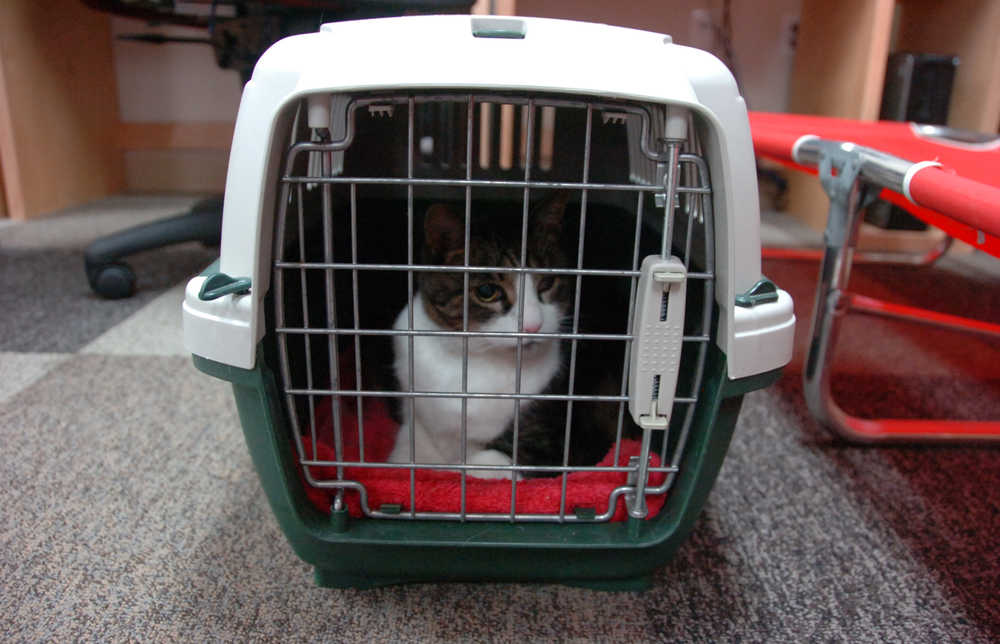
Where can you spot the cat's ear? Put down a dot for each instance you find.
(444, 230)
(548, 216)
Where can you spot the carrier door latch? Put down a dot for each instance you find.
(658, 334)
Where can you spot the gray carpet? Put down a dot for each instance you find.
(131, 510)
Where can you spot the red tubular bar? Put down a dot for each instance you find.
(789, 253)
(982, 240)
(775, 143)
(970, 202)
(905, 429)
(873, 306)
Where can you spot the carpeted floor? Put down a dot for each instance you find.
(131, 510)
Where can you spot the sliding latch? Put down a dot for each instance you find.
(658, 337)
(654, 420)
(670, 275)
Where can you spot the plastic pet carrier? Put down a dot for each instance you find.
(489, 296)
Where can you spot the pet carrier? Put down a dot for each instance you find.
(588, 195)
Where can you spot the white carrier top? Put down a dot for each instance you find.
(489, 53)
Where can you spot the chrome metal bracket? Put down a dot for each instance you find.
(849, 195)
(635, 500)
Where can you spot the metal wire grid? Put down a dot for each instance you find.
(685, 192)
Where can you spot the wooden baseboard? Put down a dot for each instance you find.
(189, 171)
(203, 135)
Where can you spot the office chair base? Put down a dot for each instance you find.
(112, 278)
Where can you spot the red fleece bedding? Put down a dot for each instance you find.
(440, 491)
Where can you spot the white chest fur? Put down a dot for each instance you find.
(436, 422)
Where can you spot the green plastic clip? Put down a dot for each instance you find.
(496, 27)
(762, 292)
(221, 284)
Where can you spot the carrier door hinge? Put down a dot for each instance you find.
(221, 284)
(657, 339)
(660, 199)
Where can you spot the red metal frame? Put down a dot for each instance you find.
(873, 306)
(965, 209)
(911, 429)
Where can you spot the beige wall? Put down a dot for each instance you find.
(177, 82)
(172, 83)
(763, 57)
(180, 83)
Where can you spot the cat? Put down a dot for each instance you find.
(495, 240)
(493, 306)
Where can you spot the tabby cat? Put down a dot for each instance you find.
(435, 423)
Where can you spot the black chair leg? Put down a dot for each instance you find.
(114, 279)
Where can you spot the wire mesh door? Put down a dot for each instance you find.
(360, 205)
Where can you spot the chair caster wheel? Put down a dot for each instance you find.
(113, 281)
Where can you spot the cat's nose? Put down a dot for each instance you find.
(532, 320)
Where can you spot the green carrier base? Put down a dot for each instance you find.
(365, 553)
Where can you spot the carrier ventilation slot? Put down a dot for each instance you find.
(499, 151)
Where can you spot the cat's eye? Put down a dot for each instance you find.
(488, 292)
(544, 283)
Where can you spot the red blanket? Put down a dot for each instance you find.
(440, 491)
